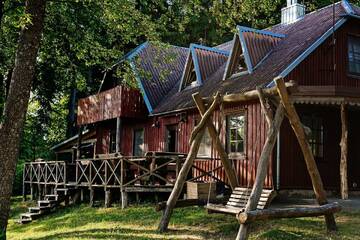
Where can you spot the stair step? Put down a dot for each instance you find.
(30, 216)
(24, 221)
(46, 203)
(51, 197)
(40, 210)
(64, 190)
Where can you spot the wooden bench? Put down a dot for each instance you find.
(238, 199)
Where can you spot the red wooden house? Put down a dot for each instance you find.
(319, 50)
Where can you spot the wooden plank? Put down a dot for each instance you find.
(344, 190)
(306, 150)
(249, 217)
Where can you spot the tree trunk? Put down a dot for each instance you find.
(16, 104)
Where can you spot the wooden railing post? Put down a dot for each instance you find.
(23, 186)
(344, 153)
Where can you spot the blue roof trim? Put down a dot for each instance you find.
(264, 32)
(196, 64)
(188, 58)
(309, 50)
(130, 55)
(245, 51)
(348, 8)
(141, 86)
(211, 49)
(226, 72)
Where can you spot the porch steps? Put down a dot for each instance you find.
(45, 206)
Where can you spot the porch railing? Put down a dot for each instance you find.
(128, 171)
(51, 173)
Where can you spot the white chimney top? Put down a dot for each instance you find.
(292, 12)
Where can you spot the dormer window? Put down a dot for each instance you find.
(201, 63)
(354, 55)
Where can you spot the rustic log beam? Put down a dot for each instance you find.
(178, 186)
(264, 106)
(205, 117)
(344, 153)
(253, 94)
(262, 168)
(305, 147)
(267, 214)
(189, 202)
(226, 162)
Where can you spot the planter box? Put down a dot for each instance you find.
(200, 190)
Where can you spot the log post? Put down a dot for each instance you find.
(107, 198)
(226, 162)
(178, 186)
(306, 150)
(118, 134)
(24, 185)
(78, 154)
(91, 200)
(344, 153)
(262, 168)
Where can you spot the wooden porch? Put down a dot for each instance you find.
(156, 172)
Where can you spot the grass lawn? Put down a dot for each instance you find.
(140, 222)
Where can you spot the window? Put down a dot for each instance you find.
(205, 145)
(316, 138)
(236, 134)
(171, 138)
(138, 143)
(112, 145)
(354, 55)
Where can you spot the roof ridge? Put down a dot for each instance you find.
(211, 49)
(259, 31)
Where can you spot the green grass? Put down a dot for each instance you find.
(140, 222)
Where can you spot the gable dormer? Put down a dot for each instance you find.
(201, 63)
(250, 47)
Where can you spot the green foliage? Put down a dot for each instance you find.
(140, 222)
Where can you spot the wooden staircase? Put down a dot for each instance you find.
(45, 206)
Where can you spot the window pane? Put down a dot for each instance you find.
(205, 145)
(138, 142)
(354, 54)
(236, 133)
(316, 138)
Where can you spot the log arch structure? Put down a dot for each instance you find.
(281, 99)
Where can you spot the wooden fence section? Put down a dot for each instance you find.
(50, 173)
(129, 172)
(154, 173)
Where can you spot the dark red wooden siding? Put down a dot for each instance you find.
(154, 138)
(293, 172)
(116, 102)
(316, 70)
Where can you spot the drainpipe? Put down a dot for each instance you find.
(278, 162)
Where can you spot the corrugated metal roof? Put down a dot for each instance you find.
(258, 44)
(158, 69)
(208, 60)
(300, 36)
